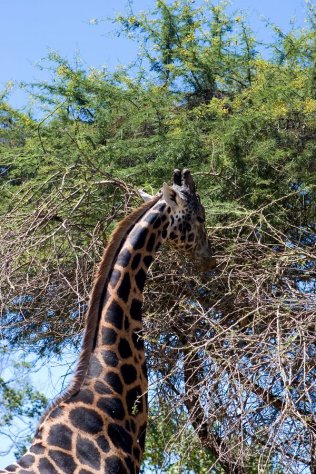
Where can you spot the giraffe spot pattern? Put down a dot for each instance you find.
(85, 396)
(110, 358)
(151, 218)
(127, 425)
(126, 323)
(37, 448)
(147, 260)
(114, 381)
(133, 426)
(157, 223)
(124, 288)
(136, 310)
(130, 465)
(101, 388)
(151, 243)
(11, 468)
(123, 258)
(129, 373)
(108, 336)
(95, 367)
(120, 437)
(114, 315)
(112, 407)
(60, 436)
(87, 453)
(113, 465)
(134, 401)
(86, 420)
(161, 207)
(136, 453)
(64, 461)
(56, 412)
(136, 261)
(115, 276)
(103, 444)
(138, 340)
(138, 238)
(27, 461)
(124, 349)
(140, 278)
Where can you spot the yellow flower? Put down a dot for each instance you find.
(132, 20)
(190, 37)
(279, 110)
(62, 71)
(310, 106)
(299, 82)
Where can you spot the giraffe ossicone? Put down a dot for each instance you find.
(98, 425)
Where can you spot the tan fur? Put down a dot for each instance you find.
(92, 316)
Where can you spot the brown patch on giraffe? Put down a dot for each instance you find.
(114, 314)
(113, 464)
(124, 288)
(114, 381)
(26, 461)
(110, 358)
(62, 460)
(87, 453)
(120, 437)
(86, 420)
(11, 468)
(112, 406)
(46, 466)
(102, 389)
(60, 436)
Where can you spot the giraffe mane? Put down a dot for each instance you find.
(93, 313)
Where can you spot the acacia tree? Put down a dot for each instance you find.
(231, 353)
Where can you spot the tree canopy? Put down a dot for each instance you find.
(231, 353)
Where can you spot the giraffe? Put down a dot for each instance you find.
(98, 425)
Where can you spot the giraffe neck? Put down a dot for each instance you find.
(117, 367)
(100, 422)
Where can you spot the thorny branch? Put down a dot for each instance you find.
(234, 349)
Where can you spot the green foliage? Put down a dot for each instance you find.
(21, 404)
(172, 446)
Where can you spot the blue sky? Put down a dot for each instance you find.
(30, 29)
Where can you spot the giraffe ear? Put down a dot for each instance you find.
(145, 196)
(171, 196)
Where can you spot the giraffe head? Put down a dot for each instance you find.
(187, 226)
